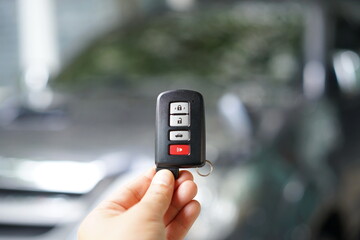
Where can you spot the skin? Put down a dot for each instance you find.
(152, 207)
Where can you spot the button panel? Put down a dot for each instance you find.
(179, 149)
(179, 135)
(179, 108)
(179, 117)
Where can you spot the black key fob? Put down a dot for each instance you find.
(180, 130)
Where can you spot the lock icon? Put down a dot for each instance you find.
(179, 121)
(179, 107)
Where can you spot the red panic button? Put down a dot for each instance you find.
(179, 149)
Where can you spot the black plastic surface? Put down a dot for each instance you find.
(197, 130)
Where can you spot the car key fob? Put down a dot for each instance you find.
(180, 130)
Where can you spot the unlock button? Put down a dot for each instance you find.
(179, 120)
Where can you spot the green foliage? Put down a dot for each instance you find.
(219, 45)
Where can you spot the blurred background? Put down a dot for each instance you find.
(281, 83)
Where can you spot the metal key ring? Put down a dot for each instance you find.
(207, 174)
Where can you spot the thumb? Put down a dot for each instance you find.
(158, 196)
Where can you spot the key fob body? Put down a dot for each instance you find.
(180, 130)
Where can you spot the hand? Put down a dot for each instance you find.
(153, 207)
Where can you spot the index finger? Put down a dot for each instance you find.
(183, 176)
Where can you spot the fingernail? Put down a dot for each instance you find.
(163, 177)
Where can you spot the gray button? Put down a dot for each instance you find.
(179, 108)
(179, 120)
(179, 135)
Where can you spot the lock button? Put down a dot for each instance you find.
(179, 120)
(179, 108)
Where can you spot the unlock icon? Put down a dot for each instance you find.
(179, 120)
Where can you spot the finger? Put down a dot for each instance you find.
(130, 194)
(182, 196)
(183, 176)
(180, 226)
(158, 197)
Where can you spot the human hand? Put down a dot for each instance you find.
(153, 207)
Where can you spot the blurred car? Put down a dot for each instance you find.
(280, 82)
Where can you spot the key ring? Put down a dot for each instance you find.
(207, 174)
